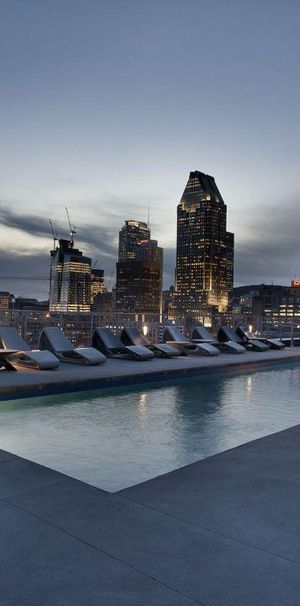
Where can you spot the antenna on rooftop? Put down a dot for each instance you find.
(72, 229)
(148, 217)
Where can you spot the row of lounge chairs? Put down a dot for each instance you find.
(54, 347)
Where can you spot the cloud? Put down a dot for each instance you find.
(99, 242)
(99, 239)
(17, 265)
(30, 224)
(271, 251)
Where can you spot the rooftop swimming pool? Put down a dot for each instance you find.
(119, 437)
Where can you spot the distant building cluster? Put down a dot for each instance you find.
(203, 286)
(269, 302)
(204, 264)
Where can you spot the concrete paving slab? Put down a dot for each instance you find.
(287, 439)
(250, 494)
(6, 456)
(43, 565)
(18, 475)
(203, 565)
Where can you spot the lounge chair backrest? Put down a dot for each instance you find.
(172, 333)
(11, 339)
(243, 333)
(131, 336)
(110, 340)
(57, 340)
(226, 333)
(200, 332)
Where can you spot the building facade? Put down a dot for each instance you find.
(70, 279)
(5, 300)
(229, 265)
(139, 271)
(205, 250)
(277, 302)
(97, 283)
(130, 237)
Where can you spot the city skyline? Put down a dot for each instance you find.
(107, 110)
(36, 263)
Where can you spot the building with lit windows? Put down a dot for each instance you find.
(97, 283)
(229, 264)
(277, 302)
(205, 250)
(70, 279)
(130, 237)
(139, 271)
(5, 300)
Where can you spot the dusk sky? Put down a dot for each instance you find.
(106, 106)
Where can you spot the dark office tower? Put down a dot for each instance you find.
(97, 283)
(139, 280)
(202, 266)
(130, 236)
(70, 279)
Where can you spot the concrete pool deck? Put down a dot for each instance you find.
(220, 532)
(113, 373)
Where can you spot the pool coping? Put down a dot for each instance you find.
(129, 374)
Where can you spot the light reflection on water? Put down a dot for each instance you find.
(120, 437)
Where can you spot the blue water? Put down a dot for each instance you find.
(121, 437)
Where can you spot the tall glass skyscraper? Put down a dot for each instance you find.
(130, 237)
(204, 260)
(70, 279)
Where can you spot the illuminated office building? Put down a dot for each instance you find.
(5, 300)
(229, 264)
(130, 237)
(139, 272)
(204, 260)
(70, 279)
(97, 283)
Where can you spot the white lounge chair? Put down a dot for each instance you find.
(249, 337)
(53, 338)
(201, 335)
(226, 333)
(132, 336)
(105, 340)
(24, 356)
(172, 336)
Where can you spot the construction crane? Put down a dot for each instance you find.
(72, 229)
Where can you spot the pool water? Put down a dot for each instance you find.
(121, 437)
